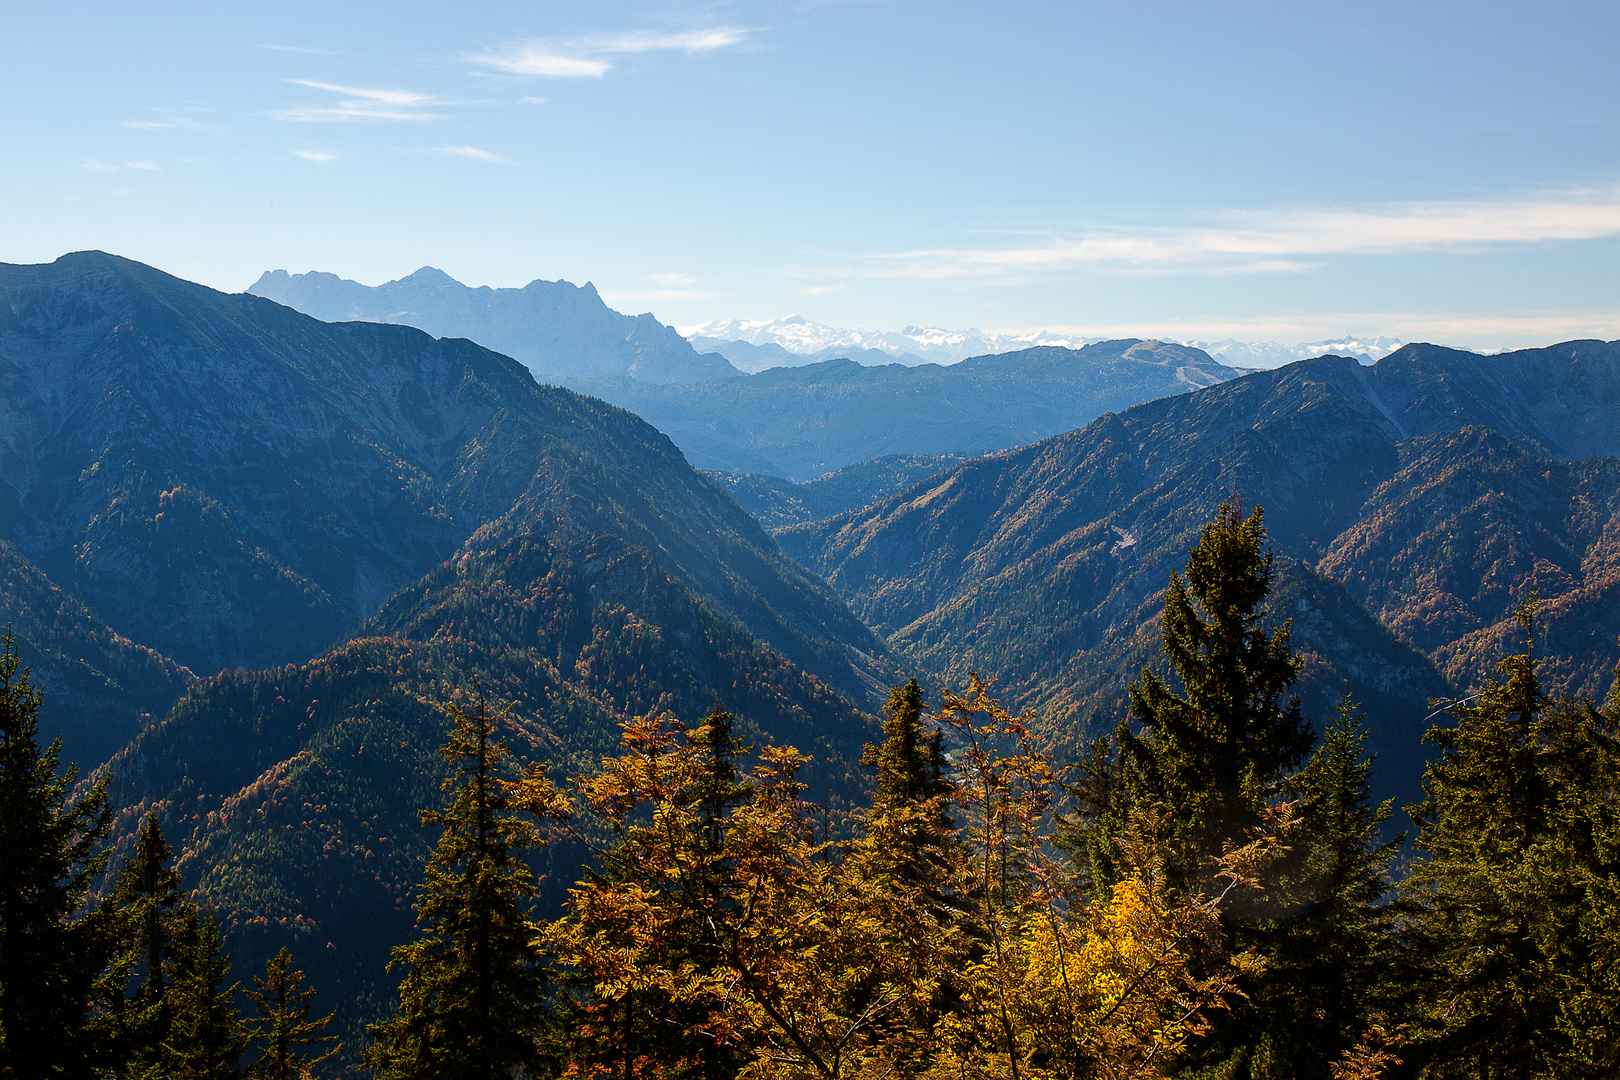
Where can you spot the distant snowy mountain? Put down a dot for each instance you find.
(804, 338)
(1270, 354)
(753, 345)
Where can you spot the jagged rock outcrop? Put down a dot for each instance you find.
(563, 332)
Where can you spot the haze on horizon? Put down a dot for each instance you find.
(1442, 171)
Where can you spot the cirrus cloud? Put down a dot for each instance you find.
(1281, 241)
(590, 57)
(472, 153)
(360, 103)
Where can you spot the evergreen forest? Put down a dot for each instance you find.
(1210, 891)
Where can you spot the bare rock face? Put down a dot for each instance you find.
(235, 484)
(562, 332)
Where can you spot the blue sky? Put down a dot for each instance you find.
(1441, 171)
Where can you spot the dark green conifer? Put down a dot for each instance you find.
(473, 995)
(719, 789)
(205, 1040)
(1213, 754)
(717, 904)
(1515, 934)
(1327, 933)
(142, 913)
(908, 825)
(50, 850)
(291, 1042)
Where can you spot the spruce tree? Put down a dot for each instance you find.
(142, 911)
(1329, 935)
(473, 994)
(717, 903)
(908, 825)
(1213, 754)
(205, 1038)
(50, 850)
(291, 1042)
(1215, 758)
(1515, 889)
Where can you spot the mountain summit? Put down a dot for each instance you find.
(235, 484)
(556, 329)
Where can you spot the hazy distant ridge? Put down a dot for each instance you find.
(795, 340)
(553, 327)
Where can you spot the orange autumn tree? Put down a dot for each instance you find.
(1058, 983)
(723, 935)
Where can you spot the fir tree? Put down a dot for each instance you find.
(1329, 936)
(473, 993)
(205, 1039)
(908, 825)
(291, 1041)
(50, 845)
(1214, 754)
(1215, 761)
(1515, 892)
(143, 909)
(719, 790)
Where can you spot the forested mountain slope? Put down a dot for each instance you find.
(1044, 565)
(778, 503)
(233, 483)
(559, 330)
(294, 792)
(98, 686)
(801, 422)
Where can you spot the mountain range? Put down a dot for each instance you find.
(756, 345)
(252, 555)
(560, 331)
(1410, 504)
(798, 423)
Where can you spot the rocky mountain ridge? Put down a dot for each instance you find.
(232, 483)
(1381, 486)
(558, 330)
(800, 423)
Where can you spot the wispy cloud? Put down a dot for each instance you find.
(92, 165)
(172, 118)
(319, 157)
(361, 103)
(672, 280)
(297, 49)
(531, 100)
(591, 57)
(473, 153)
(1279, 242)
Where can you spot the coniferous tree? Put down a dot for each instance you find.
(719, 790)
(473, 994)
(1214, 754)
(205, 1040)
(143, 911)
(1514, 935)
(291, 1041)
(908, 824)
(1329, 936)
(50, 950)
(1219, 760)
